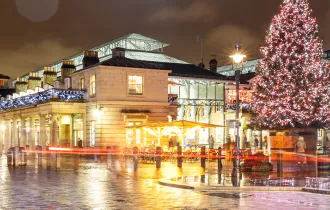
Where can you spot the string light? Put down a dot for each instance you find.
(42, 97)
(291, 86)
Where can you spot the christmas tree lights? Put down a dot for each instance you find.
(291, 86)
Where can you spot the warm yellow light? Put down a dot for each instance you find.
(238, 57)
(97, 112)
(3, 127)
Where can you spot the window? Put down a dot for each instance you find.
(82, 83)
(218, 108)
(92, 91)
(204, 112)
(92, 139)
(2, 82)
(135, 85)
(133, 135)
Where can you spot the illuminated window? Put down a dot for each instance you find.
(204, 112)
(133, 135)
(2, 82)
(135, 85)
(218, 108)
(92, 91)
(82, 83)
(92, 140)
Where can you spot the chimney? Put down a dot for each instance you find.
(21, 85)
(118, 52)
(201, 64)
(213, 64)
(67, 68)
(90, 58)
(34, 80)
(49, 76)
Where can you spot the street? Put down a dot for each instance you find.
(93, 186)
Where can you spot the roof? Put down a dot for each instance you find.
(132, 41)
(6, 91)
(4, 76)
(244, 78)
(178, 69)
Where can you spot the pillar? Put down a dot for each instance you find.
(1, 138)
(84, 130)
(15, 133)
(23, 132)
(31, 134)
(7, 136)
(42, 131)
(54, 130)
(72, 143)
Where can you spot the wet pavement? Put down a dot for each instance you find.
(95, 186)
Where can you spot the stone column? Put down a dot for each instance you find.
(15, 133)
(84, 130)
(54, 131)
(7, 135)
(23, 133)
(1, 138)
(31, 134)
(72, 143)
(42, 132)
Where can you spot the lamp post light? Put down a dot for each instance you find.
(238, 58)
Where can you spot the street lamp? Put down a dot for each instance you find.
(238, 58)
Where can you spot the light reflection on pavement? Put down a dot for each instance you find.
(94, 186)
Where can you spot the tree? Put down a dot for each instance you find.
(291, 86)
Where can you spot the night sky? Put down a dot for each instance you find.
(35, 33)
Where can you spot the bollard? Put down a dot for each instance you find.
(109, 151)
(16, 156)
(179, 157)
(135, 158)
(219, 158)
(48, 160)
(75, 162)
(158, 157)
(280, 164)
(203, 157)
(39, 155)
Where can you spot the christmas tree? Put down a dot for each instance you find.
(291, 86)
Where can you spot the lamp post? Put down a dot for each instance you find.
(238, 58)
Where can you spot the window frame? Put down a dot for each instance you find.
(82, 83)
(92, 86)
(142, 85)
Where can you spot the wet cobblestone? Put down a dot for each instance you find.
(94, 186)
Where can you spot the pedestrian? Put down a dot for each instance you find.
(211, 142)
(80, 143)
(265, 142)
(256, 142)
(300, 150)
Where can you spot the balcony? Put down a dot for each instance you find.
(59, 95)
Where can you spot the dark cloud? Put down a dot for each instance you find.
(197, 11)
(29, 57)
(82, 24)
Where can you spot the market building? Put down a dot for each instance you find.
(95, 95)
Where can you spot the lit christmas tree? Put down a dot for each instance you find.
(291, 86)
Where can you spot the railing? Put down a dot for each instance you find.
(43, 97)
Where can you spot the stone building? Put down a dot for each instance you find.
(99, 92)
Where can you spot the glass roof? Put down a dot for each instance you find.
(131, 41)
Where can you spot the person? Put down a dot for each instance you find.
(300, 150)
(265, 142)
(256, 142)
(80, 143)
(211, 142)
